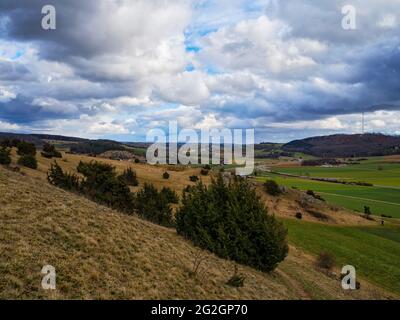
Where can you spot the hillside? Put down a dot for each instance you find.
(99, 253)
(357, 145)
(76, 145)
(23, 137)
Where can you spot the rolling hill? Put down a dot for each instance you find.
(356, 145)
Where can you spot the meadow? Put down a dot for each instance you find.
(382, 198)
(379, 171)
(373, 251)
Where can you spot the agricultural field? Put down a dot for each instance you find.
(373, 251)
(383, 172)
(379, 171)
(381, 200)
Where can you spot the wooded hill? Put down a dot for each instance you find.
(341, 145)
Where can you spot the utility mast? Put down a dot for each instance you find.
(363, 123)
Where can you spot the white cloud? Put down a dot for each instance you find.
(332, 123)
(6, 94)
(210, 121)
(6, 126)
(134, 40)
(186, 88)
(378, 123)
(103, 128)
(261, 45)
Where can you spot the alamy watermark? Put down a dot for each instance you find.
(198, 150)
(49, 21)
(349, 21)
(349, 281)
(49, 279)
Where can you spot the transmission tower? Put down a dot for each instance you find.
(363, 123)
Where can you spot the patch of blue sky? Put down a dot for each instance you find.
(192, 48)
(257, 7)
(190, 67)
(206, 32)
(194, 33)
(167, 106)
(212, 70)
(133, 137)
(18, 55)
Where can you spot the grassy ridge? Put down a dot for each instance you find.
(374, 252)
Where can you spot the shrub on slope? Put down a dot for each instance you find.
(66, 181)
(50, 151)
(28, 161)
(231, 221)
(129, 177)
(154, 206)
(102, 185)
(26, 148)
(5, 158)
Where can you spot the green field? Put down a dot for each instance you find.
(380, 200)
(373, 251)
(374, 171)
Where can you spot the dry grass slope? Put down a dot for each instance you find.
(179, 176)
(102, 254)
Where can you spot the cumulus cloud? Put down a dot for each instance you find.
(186, 88)
(259, 45)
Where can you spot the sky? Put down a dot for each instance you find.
(118, 68)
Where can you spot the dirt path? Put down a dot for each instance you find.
(294, 285)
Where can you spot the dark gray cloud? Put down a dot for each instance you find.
(24, 24)
(21, 111)
(323, 20)
(10, 71)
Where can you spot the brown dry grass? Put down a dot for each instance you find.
(289, 204)
(102, 254)
(395, 158)
(179, 176)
